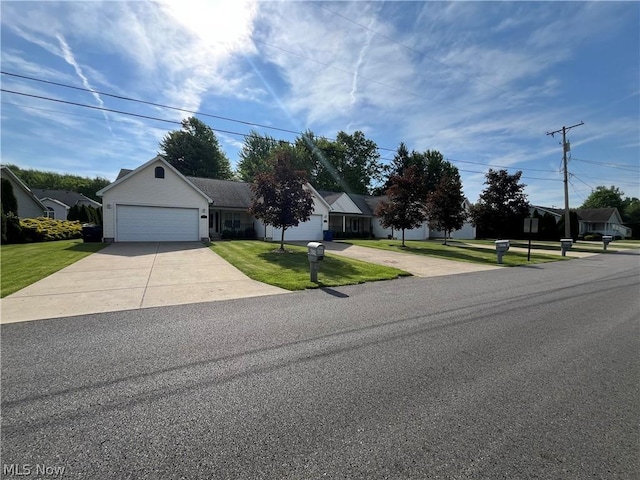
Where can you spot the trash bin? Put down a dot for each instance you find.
(91, 233)
(327, 235)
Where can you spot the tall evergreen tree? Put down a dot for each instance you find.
(9, 201)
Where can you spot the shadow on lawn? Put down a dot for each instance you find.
(87, 247)
(456, 253)
(297, 262)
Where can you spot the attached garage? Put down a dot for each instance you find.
(136, 223)
(309, 230)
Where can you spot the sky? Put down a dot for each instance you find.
(481, 82)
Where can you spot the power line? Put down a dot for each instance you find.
(104, 109)
(145, 102)
(608, 164)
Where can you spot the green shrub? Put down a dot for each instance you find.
(593, 236)
(43, 229)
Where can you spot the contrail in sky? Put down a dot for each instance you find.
(70, 59)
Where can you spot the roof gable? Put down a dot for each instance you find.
(344, 204)
(67, 197)
(7, 173)
(599, 215)
(157, 159)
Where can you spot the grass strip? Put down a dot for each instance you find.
(290, 270)
(458, 252)
(24, 264)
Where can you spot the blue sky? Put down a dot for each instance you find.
(482, 82)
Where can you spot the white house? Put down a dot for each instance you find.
(155, 202)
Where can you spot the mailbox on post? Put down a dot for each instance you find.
(315, 253)
(502, 246)
(565, 244)
(606, 240)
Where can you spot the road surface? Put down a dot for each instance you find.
(515, 373)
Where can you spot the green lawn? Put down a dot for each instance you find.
(579, 246)
(458, 252)
(291, 270)
(24, 264)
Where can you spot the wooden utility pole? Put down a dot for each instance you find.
(565, 149)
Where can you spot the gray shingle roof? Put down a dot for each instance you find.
(596, 215)
(67, 197)
(366, 203)
(225, 193)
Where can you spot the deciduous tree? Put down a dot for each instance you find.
(503, 204)
(603, 197)
(255, 155)
(405, 207)
(195, 151)
(445, 205)
(280, 198)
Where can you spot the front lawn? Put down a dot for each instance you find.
(457, 252)
(290, 271)
(24, 264)
(578, 246)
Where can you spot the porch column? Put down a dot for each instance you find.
(344, 223)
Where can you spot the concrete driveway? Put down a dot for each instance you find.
(126, 276)
(417, 265)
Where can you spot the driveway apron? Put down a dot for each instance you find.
(125, 276)
(417, 265)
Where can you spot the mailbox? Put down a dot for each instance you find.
(565, 244)
(315, 251)
(502, 246)
(606, 240)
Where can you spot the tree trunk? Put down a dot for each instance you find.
(282, 239)
(446, 234)
(403, 237)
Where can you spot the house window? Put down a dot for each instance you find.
(50, 212)
(159, 172)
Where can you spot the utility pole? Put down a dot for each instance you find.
(565, 148)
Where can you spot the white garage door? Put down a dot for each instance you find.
(413, 234)
(156, 224)
(309, 230)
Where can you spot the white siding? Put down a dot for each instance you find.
(309, 230)
(143, 189)
(156, 224)
(420, 233)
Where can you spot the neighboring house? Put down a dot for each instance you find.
(606, 221)
(355, 214)
(28, 204)
(155, 202)
(59, 202)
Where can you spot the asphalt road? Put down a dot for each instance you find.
(516, 373)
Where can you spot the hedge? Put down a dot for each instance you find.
(41, 229)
